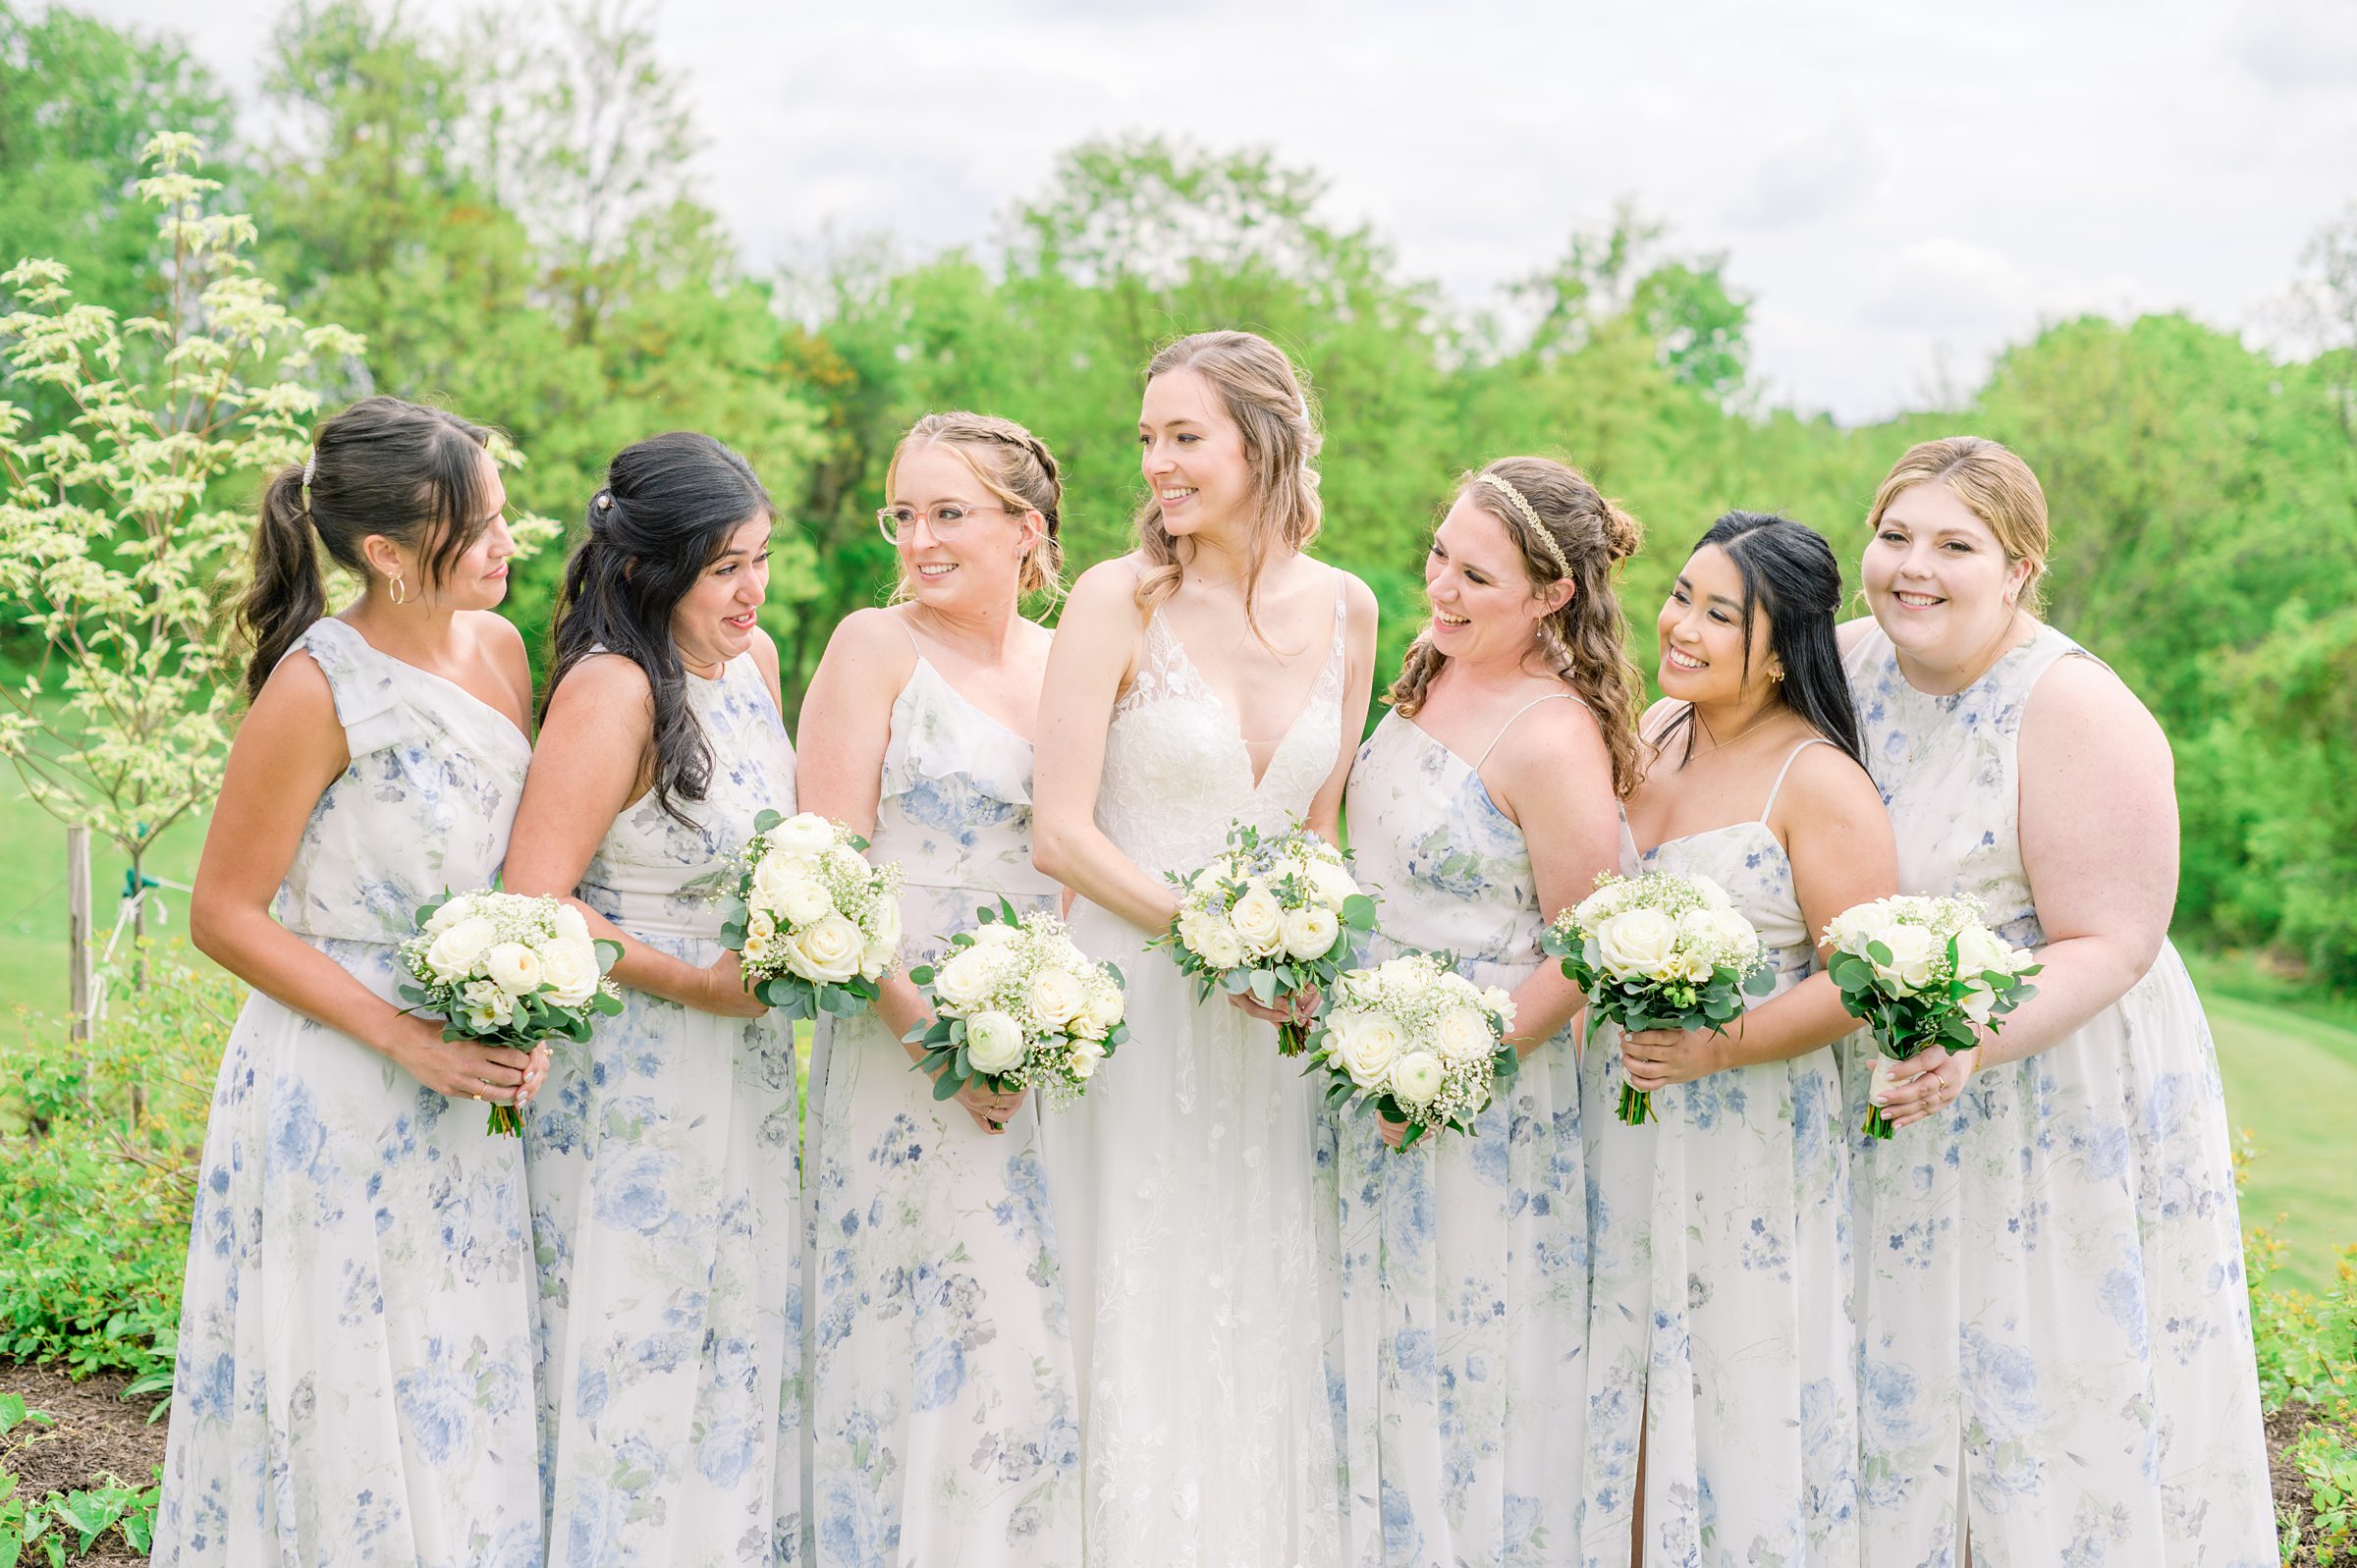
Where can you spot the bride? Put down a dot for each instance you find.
(1213, 674)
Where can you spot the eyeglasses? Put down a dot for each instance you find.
(945, 520)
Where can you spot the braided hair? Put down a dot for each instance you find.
(1015, 467)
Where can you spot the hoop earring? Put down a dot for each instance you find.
(399, 590)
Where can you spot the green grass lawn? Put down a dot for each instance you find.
(2291, 1077)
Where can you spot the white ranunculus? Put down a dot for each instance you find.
(1714, 896)
(1914, 954)
(1370, 1041)
(1086, 1054)
(777, 874)
(848, 864)
(1259, 922)
(966, 980)
(994, 934)
(1464, 1035)
(876, 959)
(1219, 944)
(570, 969)
(1416, 1077)
(1501, 1001)
(1056, 999)
(1333, 885)
(1636, 942)
(1308, 933)
(513, 967)
(484, 994)
(827, 950)
(1106, 1008)
(802, 902)
(570, 924)
(805, 833)
(1979, 951)
(993, 1042)
(454, 952)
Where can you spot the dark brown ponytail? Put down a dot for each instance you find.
(286, 594)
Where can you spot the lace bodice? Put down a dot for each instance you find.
(424, 806)
(1177, 770)
(655, 875)
(1949, 770)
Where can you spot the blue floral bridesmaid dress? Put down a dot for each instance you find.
(1464, 1262)
(944, 1422)
(2049, 1272)
(665, 1194)
(354, 1383)
(1722, 1320)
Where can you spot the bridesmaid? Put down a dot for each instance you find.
(944, 1422)
(354, 1366)
(2058, 1361)
(663, 1171)
(1723, 1357)
(1484, 799)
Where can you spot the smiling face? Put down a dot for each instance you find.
(1937, 578)
(1483, 606)
(713, 621)
(979, 566)
(477, 580)
(1703, 639)
(1192, 455)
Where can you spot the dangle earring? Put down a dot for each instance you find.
(401, 589)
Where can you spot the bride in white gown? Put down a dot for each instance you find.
(1213, 674)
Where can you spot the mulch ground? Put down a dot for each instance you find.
(97, 1432)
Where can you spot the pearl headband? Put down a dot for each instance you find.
(1530, 515)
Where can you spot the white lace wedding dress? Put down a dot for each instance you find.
(1181, 1184)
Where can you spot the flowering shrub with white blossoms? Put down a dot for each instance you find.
(1015, 1007)
(813, 923)
(1921, 972)
(1417, 1040)
(1659, 951)
(1272, 916)
(508, 969)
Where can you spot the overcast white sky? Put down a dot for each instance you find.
(1903, 189)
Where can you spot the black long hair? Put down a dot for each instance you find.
(669, 506)
(1791, 576)
(383, 465)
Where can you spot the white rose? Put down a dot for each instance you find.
(454, 909)
(1635, 943)
(1501, 1001)
(513, 967)
(1086, 1054)
(1056, 999)
(1716, 929)
(455, 952)
(570, 969)
(570, 923)
(1259, 920)
(1418, 1077)
(966, 980)
(1979, 952)
(782, 883)
(1308, 933)
(1851, 929)
(827, 952)
(877, 957)
(1333, 885)
(1464, 1035)
(805, 833)
(1597, 908)
(1915, 954)
(1208, 880)
(994, 935)
(884, 922)
(849, 864)
(1369, 1042)
(1713, 895)
(1106, 1008)
(993, 1042)
(1217, 945)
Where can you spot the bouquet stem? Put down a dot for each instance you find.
(1878, 1125)
(504, 1123)
(1292, 1039)
(1636, 1106)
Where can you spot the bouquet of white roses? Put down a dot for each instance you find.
(814, 924)
(1658, 950)
(1272, 917)
(1421, 1042)
(1015, 1005)
(508, 969)
(1921, 972)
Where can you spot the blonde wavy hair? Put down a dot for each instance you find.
(1994, 483)
(1015, 467)
(1585, 642)
(1268, 397)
